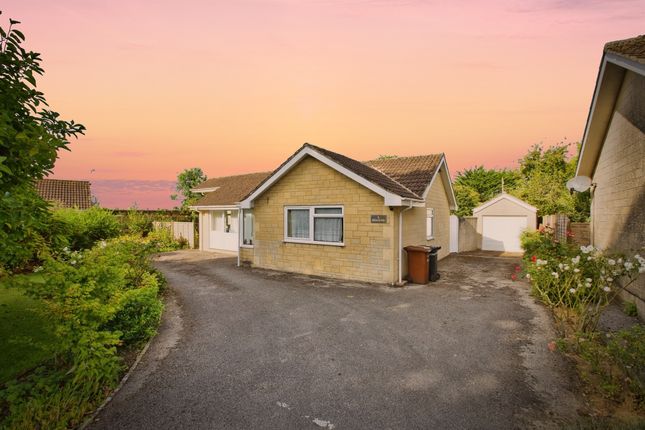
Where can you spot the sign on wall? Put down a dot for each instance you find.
(378, 219)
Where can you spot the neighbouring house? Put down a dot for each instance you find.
(325, 214)
(65, 193)
(219, 210)
(501, 221)
(613, 154)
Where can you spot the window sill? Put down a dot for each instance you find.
(247, 246)
(312, 242)
(430, 238)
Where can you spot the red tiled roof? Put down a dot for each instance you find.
(66, 193)
(230, 189)
(415, 173)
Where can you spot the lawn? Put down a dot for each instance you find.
(20, 320)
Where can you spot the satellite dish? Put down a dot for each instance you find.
(579, 183)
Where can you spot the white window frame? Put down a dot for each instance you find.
(241, 228)
(429, 223)
(312, 216)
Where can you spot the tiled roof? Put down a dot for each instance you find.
(230, 189)
(368, 172)
(66, 193)
(633, 48)
(415, 173)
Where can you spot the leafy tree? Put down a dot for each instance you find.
(544, 174)
(30, 137)
(478, 184)
(467, 199)
(187, 180)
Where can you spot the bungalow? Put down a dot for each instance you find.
(323, 213)
(612, 157)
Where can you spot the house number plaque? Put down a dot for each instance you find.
(378, 219)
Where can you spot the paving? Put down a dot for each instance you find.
(250, 348)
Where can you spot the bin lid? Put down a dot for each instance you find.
(417, 248)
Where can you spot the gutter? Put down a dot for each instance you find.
(401, 242)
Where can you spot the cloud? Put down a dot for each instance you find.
(125, 193)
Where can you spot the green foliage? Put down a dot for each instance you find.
(139, 314)
(163, 240)
(630, 309)
(30, 136)
(467, 199)
(187, 180)
(83, 228)
(486, 183)
(543, 177)
(627, 348)
(578, 283)
(137, 222)
(96, 301)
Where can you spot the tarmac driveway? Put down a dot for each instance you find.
(249, 348)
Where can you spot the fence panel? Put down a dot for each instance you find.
(179, 230)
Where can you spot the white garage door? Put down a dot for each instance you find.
(502, 233)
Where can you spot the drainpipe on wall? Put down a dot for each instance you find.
(401, 242)
(239, 234)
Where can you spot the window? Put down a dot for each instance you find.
(430, 223)
(314, 224)
(247, 227)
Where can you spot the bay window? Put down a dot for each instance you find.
(314, 224)
(247, 227)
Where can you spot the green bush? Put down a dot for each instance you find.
(136, 222)
(96, 300)
(163, 240)
(541, 243)
(84, 228)
(577, 283)
(139, 313)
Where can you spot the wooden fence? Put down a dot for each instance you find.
(179, 230)
(565, 230)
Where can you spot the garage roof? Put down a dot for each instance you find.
(504, 196)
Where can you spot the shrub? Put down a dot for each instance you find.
(136, 222)
(541, 243)
(139, 312)
(163, 240)
(86, 227)
(578, 285)
(96, 300)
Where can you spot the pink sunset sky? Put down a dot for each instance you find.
(238, 86)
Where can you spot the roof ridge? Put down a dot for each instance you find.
(398, 157)
(366, 165)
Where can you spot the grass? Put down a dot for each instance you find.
(24, 335)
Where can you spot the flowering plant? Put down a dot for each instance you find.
(578, 284)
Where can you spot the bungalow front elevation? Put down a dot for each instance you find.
(323, 213)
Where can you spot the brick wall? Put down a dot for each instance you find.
(368, 253)
(618, 206)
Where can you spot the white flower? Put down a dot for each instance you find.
(620, 260)
(586, 249)
(576, 259)
(528, 276)
(66, 249)
(561, 266)
(606, 289)
(572, 290)
(576, 270)
(588, 280)
(555, 275)
(73, 262)
(629, 265)
(610, 279)
(611, 262)
(588, 258)
(38, 269)
(566, 267)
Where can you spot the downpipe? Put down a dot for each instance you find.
(401, 243)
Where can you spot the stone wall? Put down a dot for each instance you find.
(368, 250)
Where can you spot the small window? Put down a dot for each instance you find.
(247, 227)
(314, 224)
(430, 223)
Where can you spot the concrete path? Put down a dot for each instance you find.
(247, 348)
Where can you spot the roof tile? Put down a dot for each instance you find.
(67, 193)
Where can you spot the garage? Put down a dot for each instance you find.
(501, 221)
